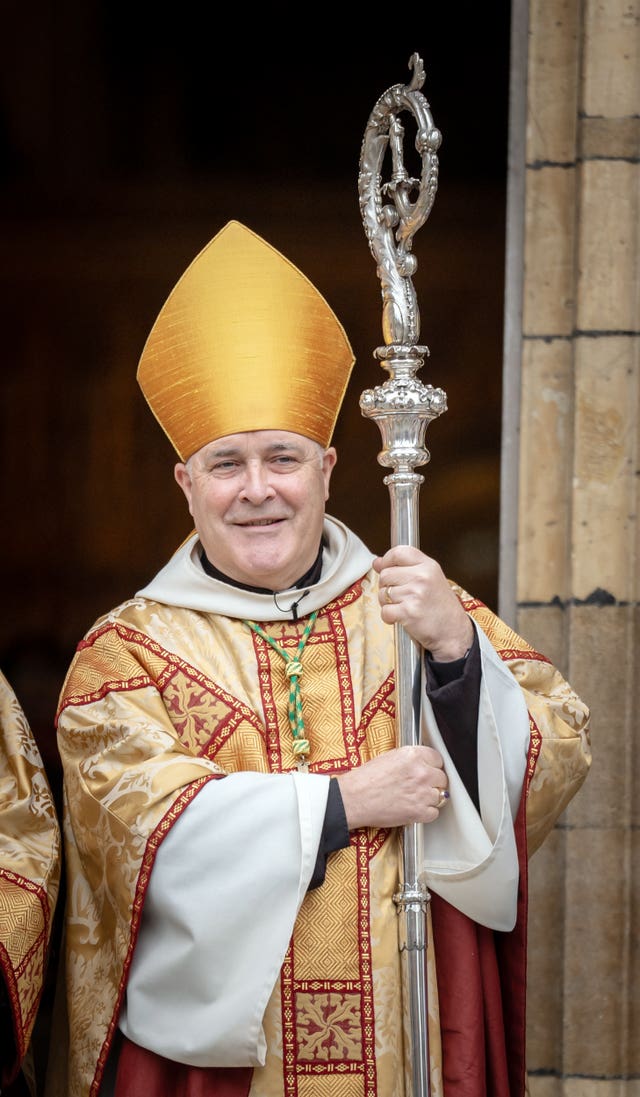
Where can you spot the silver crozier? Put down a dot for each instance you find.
(392, 212)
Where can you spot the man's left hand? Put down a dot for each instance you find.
(414, 592)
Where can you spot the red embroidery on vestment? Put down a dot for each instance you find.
(328, 1024)
(152, 846)
(27, 969)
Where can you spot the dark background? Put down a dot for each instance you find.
(129, 134)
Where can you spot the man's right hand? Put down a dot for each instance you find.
(394, 789)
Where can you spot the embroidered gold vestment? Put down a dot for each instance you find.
(29, 869)
(161, 699)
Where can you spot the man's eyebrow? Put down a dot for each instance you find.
(284, 447)
(223, 451)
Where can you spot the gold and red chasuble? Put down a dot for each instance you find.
(161, 698)
(30, 861)
(322, 1015)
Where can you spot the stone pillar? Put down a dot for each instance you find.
(577, 538)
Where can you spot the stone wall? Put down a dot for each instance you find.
(578, 555)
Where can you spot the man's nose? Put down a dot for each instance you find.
(256, 484)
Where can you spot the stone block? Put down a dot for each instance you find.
(611, 58)
(546, 458)
(606, 491)
(595, 975)
(553, 78)
(608, 247)
(609, 138)
(545, 961)
(549, 286)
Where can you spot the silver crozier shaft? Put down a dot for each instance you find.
(403, 407)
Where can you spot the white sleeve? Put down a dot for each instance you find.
(224, 893)
(471, 859)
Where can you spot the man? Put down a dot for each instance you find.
(29, 882)
(233, 789)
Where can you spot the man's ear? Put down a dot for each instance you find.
(329, 459)
(183, 479)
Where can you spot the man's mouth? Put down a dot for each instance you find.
(259, 522)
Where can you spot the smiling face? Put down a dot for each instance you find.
(257, 500)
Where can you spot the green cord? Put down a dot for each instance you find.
(301, 745)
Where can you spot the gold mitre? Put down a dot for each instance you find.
(244, 342)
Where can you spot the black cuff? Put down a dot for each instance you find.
(454, 691)
(335, 833)
(440, 674)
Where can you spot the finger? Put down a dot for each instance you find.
(423, 755)
(442, 797)
(385, 596)
(400, 556)
(395, 589)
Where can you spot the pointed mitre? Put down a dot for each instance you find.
(244, 342)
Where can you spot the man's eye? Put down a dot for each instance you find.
(224, 466)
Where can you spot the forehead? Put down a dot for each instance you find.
(257, 443)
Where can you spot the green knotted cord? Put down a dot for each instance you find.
(293, 666)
